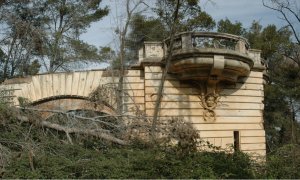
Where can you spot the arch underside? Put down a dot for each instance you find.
(72, 103)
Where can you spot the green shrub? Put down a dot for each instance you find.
(284, 163)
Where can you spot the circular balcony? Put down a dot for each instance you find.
(209, 56)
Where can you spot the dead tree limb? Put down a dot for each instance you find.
(122, 39)
(95, 133)
(99, 133)
(286, 10)
(77, 116)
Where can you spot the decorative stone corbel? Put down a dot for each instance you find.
(210, 98)
(215, 73)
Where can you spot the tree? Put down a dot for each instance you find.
(290, 14)
(282, 91)
(142, 29)
(226, 26)
(270, 40)
(64, 22)
(190, 15)
(173, 16)
(286, 68)
(55, 27)
(157, 28)
(19, 38)
(122, 31)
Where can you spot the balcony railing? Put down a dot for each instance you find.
(190, 40)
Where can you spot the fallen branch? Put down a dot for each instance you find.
(95, 133)
(67, 130)
(94, 119)
(77, 116)
(99, 132)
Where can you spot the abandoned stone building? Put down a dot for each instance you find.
(214, 81)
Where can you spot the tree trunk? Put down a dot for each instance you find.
(165, 71)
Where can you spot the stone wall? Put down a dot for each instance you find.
(240, 108)
(233, 119)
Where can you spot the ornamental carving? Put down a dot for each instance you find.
(209, 102)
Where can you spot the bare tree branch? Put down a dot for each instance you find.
(122, 38)
(280, 9)
(95, 133)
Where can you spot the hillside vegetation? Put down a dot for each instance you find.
(31, 151)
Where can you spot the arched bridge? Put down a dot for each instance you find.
(69, 91)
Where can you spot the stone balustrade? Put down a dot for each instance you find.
(190, 40)
(205, 56)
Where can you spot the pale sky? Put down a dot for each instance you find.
(245, 11)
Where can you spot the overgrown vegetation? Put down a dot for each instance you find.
(46, 33)
(29, 151)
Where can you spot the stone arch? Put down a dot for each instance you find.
(70, 103)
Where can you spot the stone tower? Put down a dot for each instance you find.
(215, 82)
